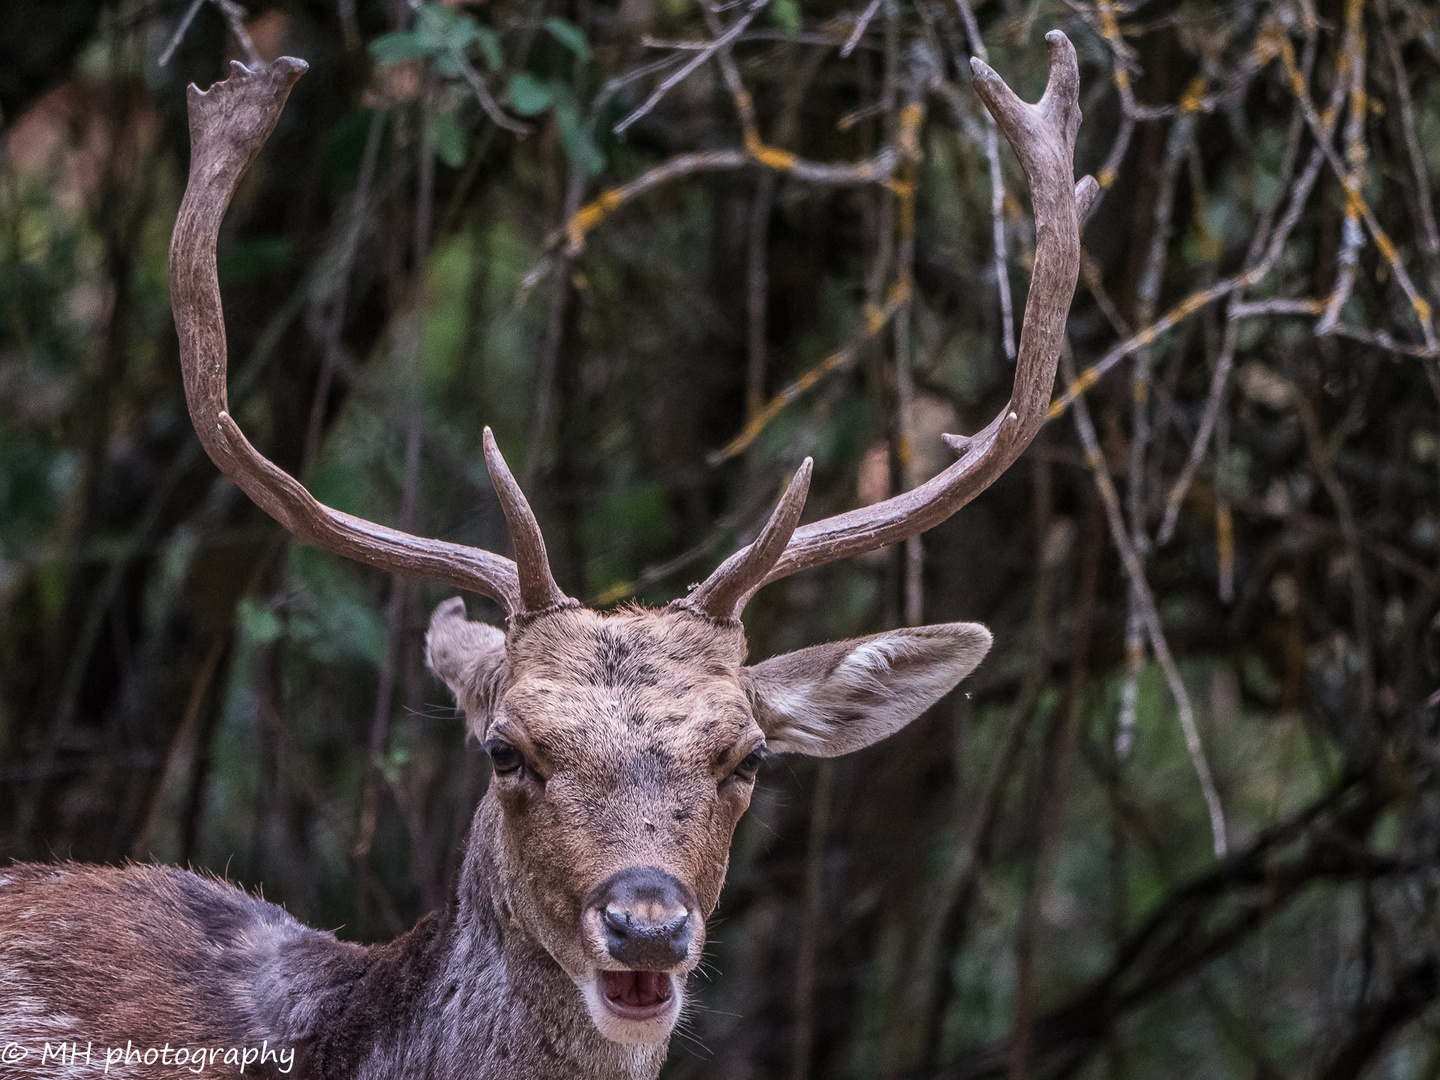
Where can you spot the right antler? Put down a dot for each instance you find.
(1043, 136)
(228, 125)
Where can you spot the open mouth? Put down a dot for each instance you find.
(637, 995)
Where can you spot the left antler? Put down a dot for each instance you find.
(1043, 136)
(228, 125)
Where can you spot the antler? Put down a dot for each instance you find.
(228, 125)
(725, 592)
(1043, 136)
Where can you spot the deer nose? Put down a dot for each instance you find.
(646, 916)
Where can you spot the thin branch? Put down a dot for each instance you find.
(180, 32)
(1146, 607)
(736, 29)
(861, 25)
(997, 193)
(234, 16)
(485, 98)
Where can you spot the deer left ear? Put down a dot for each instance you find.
(470, 658)
(831, 699)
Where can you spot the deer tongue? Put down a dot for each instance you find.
(638, 989)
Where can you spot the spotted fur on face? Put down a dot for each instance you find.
(628, 740)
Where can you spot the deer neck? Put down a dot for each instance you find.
(489, 1000)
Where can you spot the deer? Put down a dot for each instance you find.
(624, 745)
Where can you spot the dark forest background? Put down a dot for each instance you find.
(1185, 819)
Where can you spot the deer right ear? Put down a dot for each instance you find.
(470, 658)
(831, 699)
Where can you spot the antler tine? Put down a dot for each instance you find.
(228, 125)
(538, 590)
(724, 593)
(1043, 136)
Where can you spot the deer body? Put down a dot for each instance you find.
(624, 745)
(196, 963)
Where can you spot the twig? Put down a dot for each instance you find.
(234, 16)
(1353, 237)
(1429, 234)
(757, 282)
(1265, 250)
(1146, 606)
(1147, 297)
(875, 321)
(180, 32)
(736, 29)
(997, 193)
(554, 336)
(485, 98)
(1355, 200)
(878, 169)
(1214, 401)
(1251, 276)
(757, 240)
(861, 24)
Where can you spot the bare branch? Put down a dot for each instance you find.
(736, 29)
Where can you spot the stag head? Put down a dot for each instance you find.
(625, 748)
(626, 744)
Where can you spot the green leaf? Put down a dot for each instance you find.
(578, 146)
(396, 48)
(447, 136)
(438, 32)
(395, 759)
(450, 64)
(441, 29)
(258, 624)
(786, 15)
(569, 35)
(489, 42)
(529, 96)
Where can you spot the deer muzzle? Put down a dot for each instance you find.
(642, 925)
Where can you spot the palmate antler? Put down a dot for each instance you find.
(228, 125)
(231, 121)
(1043, 136)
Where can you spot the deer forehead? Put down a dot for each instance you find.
(662, 684)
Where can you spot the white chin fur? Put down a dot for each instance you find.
(655, 1029)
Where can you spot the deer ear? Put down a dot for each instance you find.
(470, 658)
(831, 699)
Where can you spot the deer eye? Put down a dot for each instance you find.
(748, 767)
(503, 757)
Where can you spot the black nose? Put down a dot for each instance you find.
(647, 917)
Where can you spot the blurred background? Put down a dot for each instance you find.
(1182, 822)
